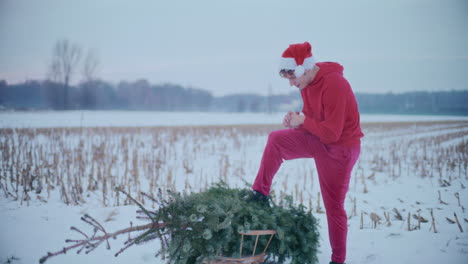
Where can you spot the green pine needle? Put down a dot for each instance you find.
(207, 224)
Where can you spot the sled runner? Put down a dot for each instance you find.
(253, 259)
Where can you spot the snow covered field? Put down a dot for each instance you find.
(410, 164)
(144, 119)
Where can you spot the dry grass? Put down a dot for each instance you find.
(88, 163)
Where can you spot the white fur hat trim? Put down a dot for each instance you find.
(290, 64)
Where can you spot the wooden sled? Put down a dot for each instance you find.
(253, 259)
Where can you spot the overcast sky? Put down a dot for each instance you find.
(234, 46)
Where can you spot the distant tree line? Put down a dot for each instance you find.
(100, 95)
(57, 93)
(441, 102)
(141, 95)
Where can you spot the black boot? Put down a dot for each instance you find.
(256, 196)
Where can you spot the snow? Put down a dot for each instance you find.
(29, 232)
(147, 118)
(400, 167)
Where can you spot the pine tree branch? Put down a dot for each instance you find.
(119, 189)
(94, 241)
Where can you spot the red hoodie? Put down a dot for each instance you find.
(330, 108)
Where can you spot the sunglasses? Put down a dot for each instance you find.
(287, 74)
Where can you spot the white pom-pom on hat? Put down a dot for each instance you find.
(299, 71)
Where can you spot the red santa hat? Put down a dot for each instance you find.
(297, 57)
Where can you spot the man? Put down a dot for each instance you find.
(328, 131)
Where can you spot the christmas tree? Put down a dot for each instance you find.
(202, 226)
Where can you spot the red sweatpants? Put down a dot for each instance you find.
(334, 165)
